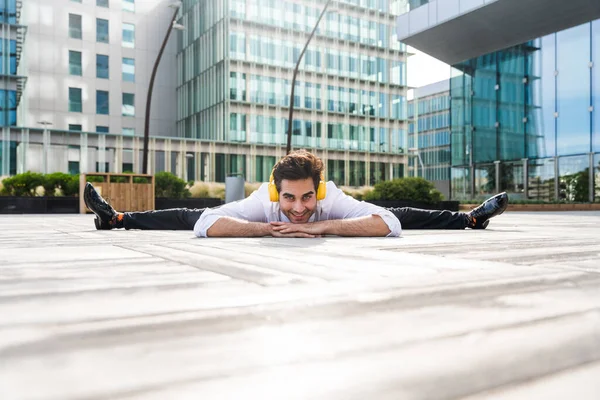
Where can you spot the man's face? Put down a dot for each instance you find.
(298, 199)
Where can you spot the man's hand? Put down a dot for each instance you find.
(372, 225)
(314, 229)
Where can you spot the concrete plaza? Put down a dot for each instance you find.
(512, 312)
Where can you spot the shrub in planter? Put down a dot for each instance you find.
(168, 185)
(24, 184)
(58, 180)
(413, 188)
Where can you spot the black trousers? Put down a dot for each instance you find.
(177, 219)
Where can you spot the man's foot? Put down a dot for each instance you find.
(106, 216)
(479, 218)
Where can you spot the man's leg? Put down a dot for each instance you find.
(416, 218)
(478, 218)
(108, 218)
(175, 219)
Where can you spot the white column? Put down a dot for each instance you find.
(5, 146)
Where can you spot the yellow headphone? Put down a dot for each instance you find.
(274, 194)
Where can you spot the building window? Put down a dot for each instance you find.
(75, 26)
(8, 50)
(128, 70)
(76, 1)
(128, 35)
(74, 62)
(75, 127)
(8, 107)
(129, 5)
(102, 3)
(106, 167)
(101, 129)
(74, 99)
(101, 66)
(73, 167)
(101, 30)
(101, 102)
(128, 105)
(128, 132)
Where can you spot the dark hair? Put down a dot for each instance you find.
(299, 164)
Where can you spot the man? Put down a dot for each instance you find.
(295, 203)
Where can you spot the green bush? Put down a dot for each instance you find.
(59, 180)
(23, 184)
(415, 189)
(168, 185)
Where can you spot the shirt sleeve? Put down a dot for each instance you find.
(250, 209)
(343, 206)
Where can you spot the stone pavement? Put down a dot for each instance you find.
(512, 312)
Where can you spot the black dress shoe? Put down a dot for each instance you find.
(106, 216)
(479, 217)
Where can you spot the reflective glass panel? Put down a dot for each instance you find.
(573, 90)
(574, 179)
(541, 179)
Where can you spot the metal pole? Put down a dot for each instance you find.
(288, 148)
(149, 97)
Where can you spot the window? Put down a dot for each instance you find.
(73, 167)
(75, 26)
(75, 127)
(128, 35)
(128, 105)
(74, 62)
(128, 70)
(76, 1)
(102, 3)
(101, 30)
(101, 66)
(106, 167)
(128, 131)
(101, 102)
(129, 5)
(74, 99)
(101, 129)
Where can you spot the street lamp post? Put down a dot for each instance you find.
(290, 121)
(172, 25)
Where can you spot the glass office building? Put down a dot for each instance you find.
(429, 134)
(12, 36)
(235, 68)
(526, 119)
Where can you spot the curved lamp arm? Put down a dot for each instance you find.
(288, 149)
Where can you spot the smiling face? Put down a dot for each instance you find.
(298, 199)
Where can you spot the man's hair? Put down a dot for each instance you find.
(299, 164)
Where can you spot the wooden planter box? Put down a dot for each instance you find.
(543, 207)
(127, 196)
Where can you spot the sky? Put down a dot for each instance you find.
(423, 69)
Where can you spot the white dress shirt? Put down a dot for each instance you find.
(259, 208)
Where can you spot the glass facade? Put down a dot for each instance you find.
(429, 137)
(102, 66)
(75, 99)
(235, 73)
(75, 26)
(128, 108)
(128, 35)
(102, 102)
(530, 113)
(128, 69)
(74, 62)
(102, 34)
(8, 107)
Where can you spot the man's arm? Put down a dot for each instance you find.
(339, 206)
(367, 226)
(234, 227)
